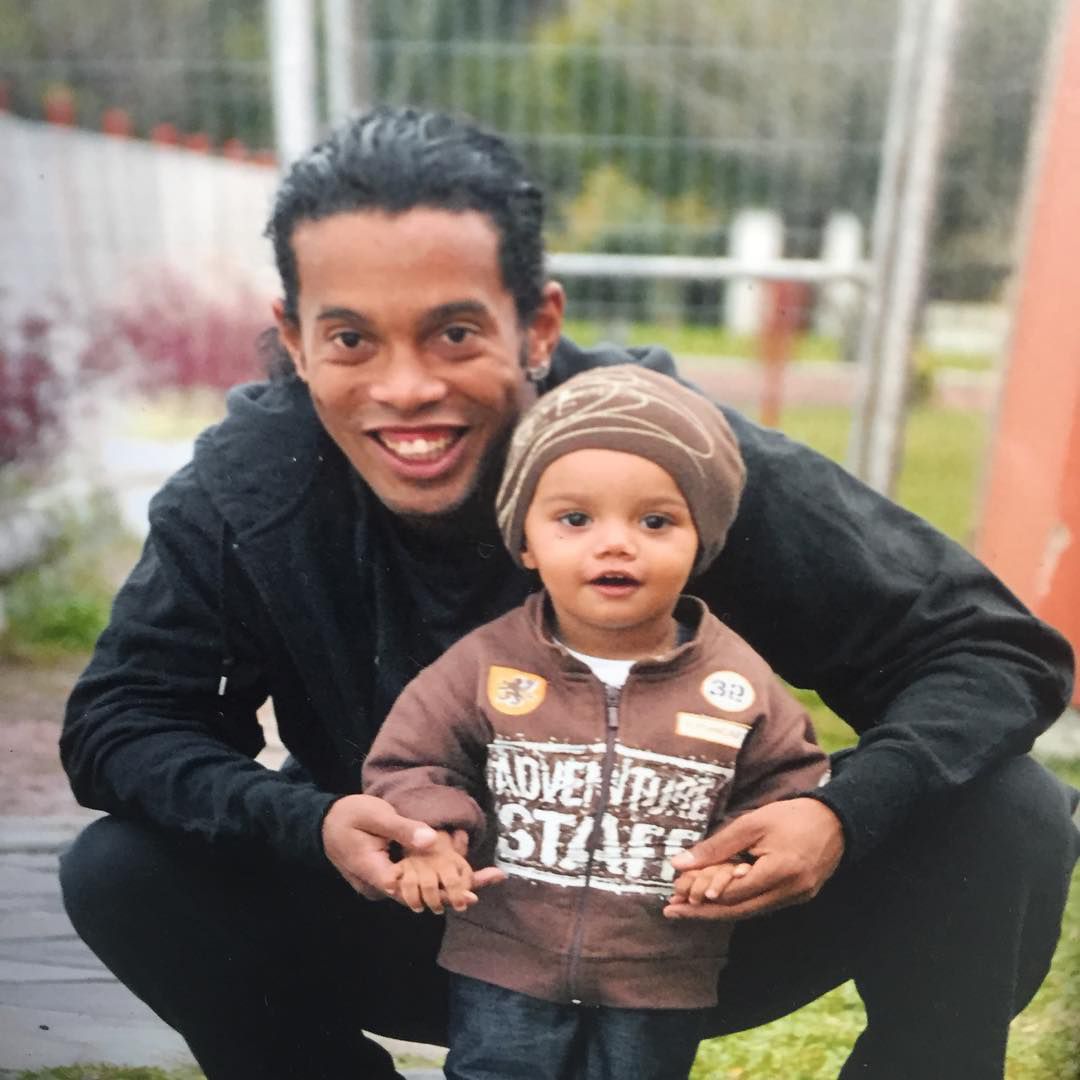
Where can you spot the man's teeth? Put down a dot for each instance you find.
(417, 448)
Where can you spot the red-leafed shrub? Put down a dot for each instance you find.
(32, 391)
(178, 334)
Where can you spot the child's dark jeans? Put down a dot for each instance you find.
(498, 1034)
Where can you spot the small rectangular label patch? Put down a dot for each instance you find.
(711, 729)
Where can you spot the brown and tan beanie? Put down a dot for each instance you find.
(637, 411)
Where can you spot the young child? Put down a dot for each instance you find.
(588, 736)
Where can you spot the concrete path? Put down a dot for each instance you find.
(58, 1004)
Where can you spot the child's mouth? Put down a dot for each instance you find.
(614, 584)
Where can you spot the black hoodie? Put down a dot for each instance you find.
(271, 570)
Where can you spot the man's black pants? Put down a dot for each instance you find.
(269, 971)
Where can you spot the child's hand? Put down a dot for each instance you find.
(435, 877)
(708, 883)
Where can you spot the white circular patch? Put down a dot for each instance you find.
(728, 690)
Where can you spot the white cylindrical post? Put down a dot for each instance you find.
(338, 46)
(841, 252)
(292, 68)
(757, 237)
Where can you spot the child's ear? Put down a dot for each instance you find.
(527, 559)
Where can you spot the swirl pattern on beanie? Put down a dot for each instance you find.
(637, 411)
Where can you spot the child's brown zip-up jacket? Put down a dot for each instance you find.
(582, 794)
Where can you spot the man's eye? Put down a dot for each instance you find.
(349, 338)
(655, 521)
(575, 519)
(457, 335)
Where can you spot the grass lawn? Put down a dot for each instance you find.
(944, 454)
(690, 339)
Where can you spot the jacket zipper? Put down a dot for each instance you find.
(611, 731)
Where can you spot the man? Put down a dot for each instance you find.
(336, 533)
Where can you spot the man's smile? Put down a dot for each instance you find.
(426, 444)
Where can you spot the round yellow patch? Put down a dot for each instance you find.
(514, 692)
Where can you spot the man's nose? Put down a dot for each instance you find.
(406, 383)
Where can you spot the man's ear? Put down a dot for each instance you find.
(289, 333)
(543, 333)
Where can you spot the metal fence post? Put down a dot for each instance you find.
(903, 221)
(292, 68)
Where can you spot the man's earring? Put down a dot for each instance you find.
(537, 373)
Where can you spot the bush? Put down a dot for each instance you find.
(177, 334)
(47, 613)
(31, 392)
(62, 604)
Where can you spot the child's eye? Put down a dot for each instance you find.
(655, 521)
(575, 519)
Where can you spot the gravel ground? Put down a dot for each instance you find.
(31, 704)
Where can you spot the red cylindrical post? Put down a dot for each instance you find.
(198, 141)
(165, 133)
(59, 105)
(234, 149)
(1030, 528)
(116, 122)
(784, 308)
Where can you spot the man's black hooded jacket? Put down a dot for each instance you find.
(271, 570)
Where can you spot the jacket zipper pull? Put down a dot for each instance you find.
(611, 693)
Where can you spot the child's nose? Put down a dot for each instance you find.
(614, 538)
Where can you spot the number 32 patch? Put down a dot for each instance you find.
(728, 690)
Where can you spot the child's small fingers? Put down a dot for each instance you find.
(718, 881)
(681, 886)
(701, 883)
(457, 884)
(429, 890)
(409, 889)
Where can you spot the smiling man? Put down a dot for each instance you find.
(336, 533)
(417, 385)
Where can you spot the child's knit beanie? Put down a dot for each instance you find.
(640, 412)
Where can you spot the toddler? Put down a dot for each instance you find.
(585, 738)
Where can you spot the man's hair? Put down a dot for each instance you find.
(396, 159)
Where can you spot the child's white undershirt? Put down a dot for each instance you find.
(610, 672)
(614, 672)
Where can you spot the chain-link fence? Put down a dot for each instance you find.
(656, 125)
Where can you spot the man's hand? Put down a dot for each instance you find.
(796, 844)
(357, 833)
(430, 879)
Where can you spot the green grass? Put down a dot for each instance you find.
(686, 339)
(943, 455)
